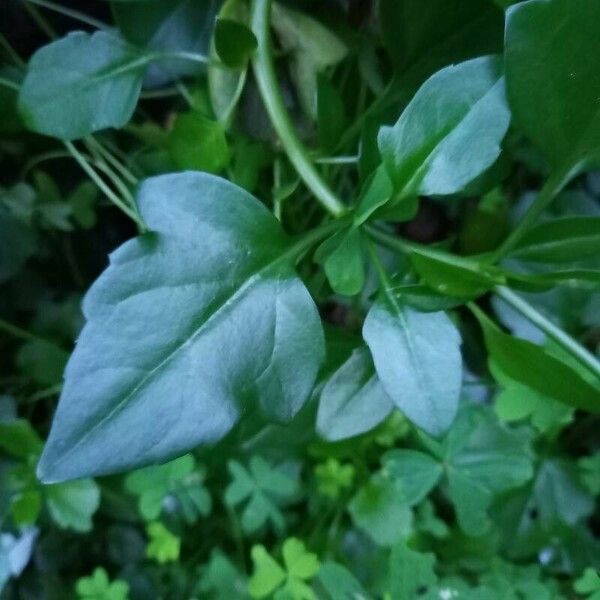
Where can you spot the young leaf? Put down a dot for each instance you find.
(195, 311)
(353, 401)
(482, 459)
(234, 42)
(80, 84)
(260, 487)
(450, 132)
(339, 583)
(345, 267)
(163, 546)
(535, 367)
(417, 358)
(98, 587)
(553, 93)
(198, 143)
(410, 572)
(18, 438)
(561, 240)
(380, 510)
(72, 504)
(415, 472)
(312, 47)
(454, 275)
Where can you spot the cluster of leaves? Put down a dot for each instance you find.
(347, 345)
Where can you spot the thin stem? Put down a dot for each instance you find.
(11, 51)
(390, 241)
(113, 160)
(549, 191)
(68, 12)
(264, 72)
(41, 22)
(17, 331)
(562, 338)
(9, 83)
(189, 56)
(312, 237)
(83, 163)
(337, 160)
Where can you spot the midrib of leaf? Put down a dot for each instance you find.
(421, 171)
(423, 379)
(214, 314)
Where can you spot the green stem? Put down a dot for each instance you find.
(554, 332)
(390, 241)
(314, 236)
(17, 331)
(107, 155)
(83, 163)
(264, 72)
(13, 85)
(549, 191)
(68, 12)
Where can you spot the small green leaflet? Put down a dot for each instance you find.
(380, 509)
(553, 93)
(234, 42)
(410, 572)
(561, 240)
(300, 566)
(261, 488)
(98, 587)
(80, 84)
(450, 132)
(452, 275)
(353, 400)
(180, 478)
(533, 366)
(418, 361)
(17, 243)
(196, 311)
(589, 583)
(340, 583)
(72, 504)
(163, 546)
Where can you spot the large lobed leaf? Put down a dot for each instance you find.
(191, 325)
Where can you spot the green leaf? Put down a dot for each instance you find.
(215, 347)
(299, 563)
(18, 438)
(410, 572)
(453, 275)
(450, 132)
(417, 358)
(589, 467)
(98, 587)
(331, 114)
(345, 267)
(561, 240)
(312, 48)
(423, 298)
(268, 574)
(588, 583)
(168, 27)
(80, 84)
(198, 143)
(415, 473)
(71, 505)
(43, 361)
(533, 366)
(422, 38)
(381, 511)
(482, 458)
(553, 93)
(376, 192)
(353, 400)
(178, 478)
(333, 477)
(222, 578)
(225, 86)
(163, 546)
(25, 507)
(339, 583)
(234, 42)
(261, 487)
(17, 243)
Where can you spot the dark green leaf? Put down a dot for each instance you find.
(561, 240)
(535, 367)
(18, 438)
(195, 311)
(345, 267)
(454, 275)
(417, 357)
(410, 572)
(553, 78)
(234, 42)
(353, 400)
(339, 583)
(17, 244)
(80, 84)
(331, 114)
(198, 143)
(450, 132)
(71, 505)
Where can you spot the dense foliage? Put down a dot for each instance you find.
(299, 300)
